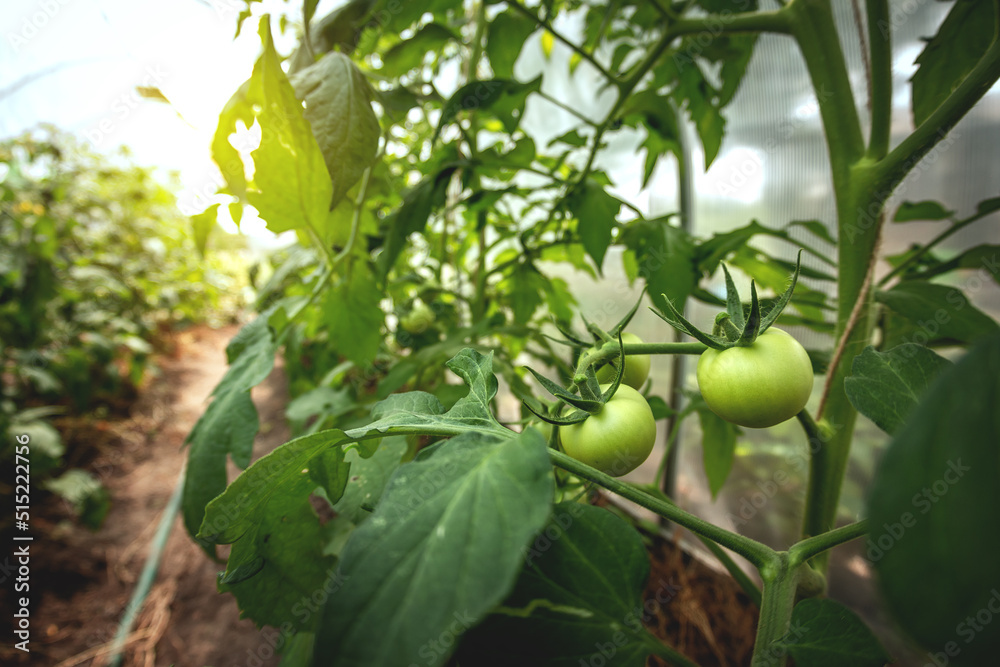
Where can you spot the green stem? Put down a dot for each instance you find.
(815, 32)
(862, 186)
(780, 583)
(609, 351)
(810, 547)
(814, 29)
(748, 586)
(479, 303)
(924, 249)
(548, 27)
(760, 555)
(776, 21)
(565, 107)
(888, 173)
(880, 46)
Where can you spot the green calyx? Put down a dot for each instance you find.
(736, 327)
(590, 399)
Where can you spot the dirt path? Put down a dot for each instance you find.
(84, 580)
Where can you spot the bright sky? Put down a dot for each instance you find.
(76, 63)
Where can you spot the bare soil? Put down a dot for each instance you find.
(81, 581)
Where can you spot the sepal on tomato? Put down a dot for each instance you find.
(735, 327)
(574, 417)
(580, 402)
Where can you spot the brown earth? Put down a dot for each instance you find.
(81, 581)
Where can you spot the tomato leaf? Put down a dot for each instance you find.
(524, 288)
(665, 257)
(508, 33)
(909, 211)
(825, 633)
(239, 109)
(292, 187)
(934, 504)
(274, 569)
(229, 424)
(950, 55)
(410, 53)
(353, 318)
(428, 562)
(338, 107)
(982, 256)
(939, 312)
(412, 215)
(552, 618)
(816, 228)
(404, 412)
(886, 386)
(276, 563)
(482, 95)
(596, 211)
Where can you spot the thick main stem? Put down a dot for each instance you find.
(780, 582)
(814, 29)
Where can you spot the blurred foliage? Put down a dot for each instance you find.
(96, 262)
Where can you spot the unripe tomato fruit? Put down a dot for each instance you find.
(615, 440)
(636, 366)
(418, 320)
(760, 385)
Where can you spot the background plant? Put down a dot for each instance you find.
(95, 265)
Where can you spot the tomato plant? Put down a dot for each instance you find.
(616, 439)
(759, 385)
(395, 145)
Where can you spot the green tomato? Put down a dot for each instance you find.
(418, 319)
(760, 385)
(618, 438)
(636, 366)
